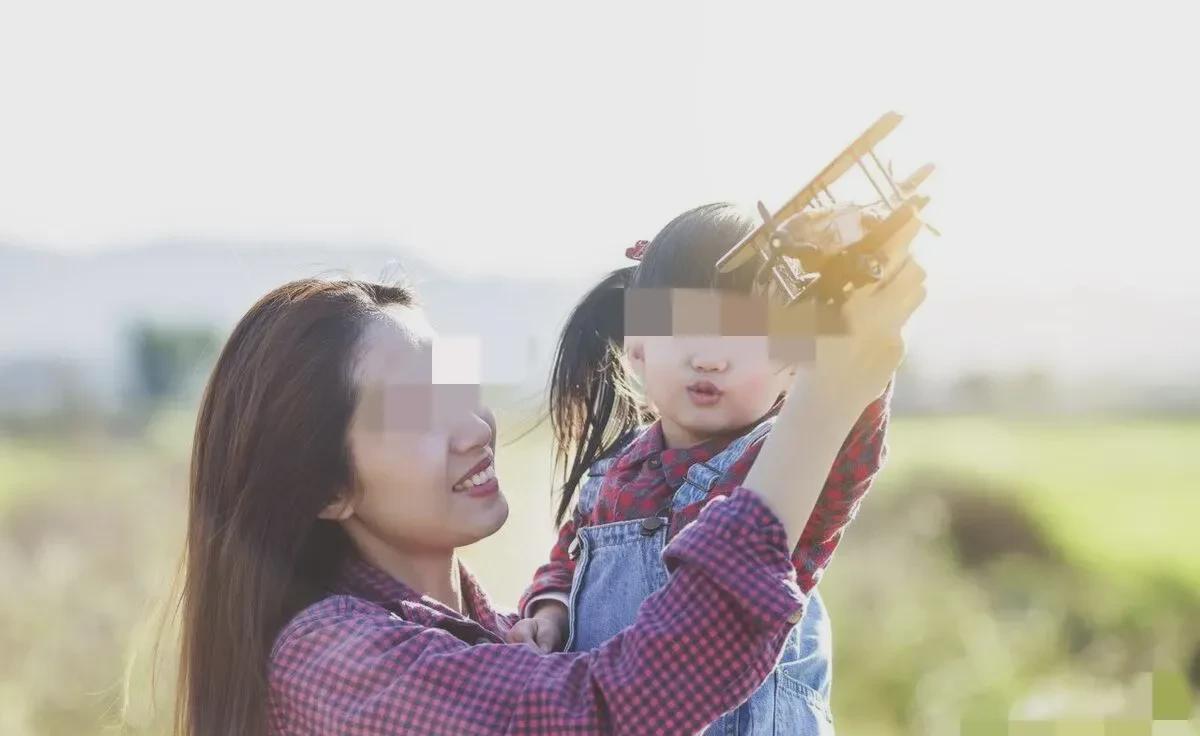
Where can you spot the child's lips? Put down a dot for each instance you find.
(704, 393)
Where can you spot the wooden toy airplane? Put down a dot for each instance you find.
(814, 246)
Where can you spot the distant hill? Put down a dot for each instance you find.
(76, 307)
(62, 309)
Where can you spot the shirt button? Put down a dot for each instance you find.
(655, 463)
(795, 617)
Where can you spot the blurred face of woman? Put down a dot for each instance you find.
(422, 452)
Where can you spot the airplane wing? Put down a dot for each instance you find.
(758, 241)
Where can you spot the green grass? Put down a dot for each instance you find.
(1121, 495)
(24, 466)
(89, 529)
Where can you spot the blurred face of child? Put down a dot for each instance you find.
(704, 359)
(422, 451)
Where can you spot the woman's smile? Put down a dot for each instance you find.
(480, 480)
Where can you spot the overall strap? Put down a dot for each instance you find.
(702, 476)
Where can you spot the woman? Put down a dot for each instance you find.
(333, 478)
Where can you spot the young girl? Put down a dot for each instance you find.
(713, 382)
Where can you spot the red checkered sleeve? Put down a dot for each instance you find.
(553, 578)
(697, 648)
(859, 460)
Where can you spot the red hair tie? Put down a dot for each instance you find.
(637, 250)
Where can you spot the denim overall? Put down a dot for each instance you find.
(620, 564)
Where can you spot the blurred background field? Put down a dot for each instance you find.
(1028, 563)
(1003, 567)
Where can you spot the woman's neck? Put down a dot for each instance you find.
(434, 573)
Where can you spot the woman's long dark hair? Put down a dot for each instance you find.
(592, 405)
(269, 454)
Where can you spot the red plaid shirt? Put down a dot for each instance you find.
(647, 474)
(378, 658)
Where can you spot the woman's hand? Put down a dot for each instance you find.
(545, 631)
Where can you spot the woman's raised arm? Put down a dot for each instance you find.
(698, 647)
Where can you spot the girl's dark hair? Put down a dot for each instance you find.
(592, 406)
(269, 454)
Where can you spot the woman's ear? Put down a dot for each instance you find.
(339, 509)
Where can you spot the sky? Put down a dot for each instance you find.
(542, 138)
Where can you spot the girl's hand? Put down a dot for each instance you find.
(830, 392)
(545, 631)
(854, 368)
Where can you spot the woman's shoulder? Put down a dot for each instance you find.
(330, 615)
(336, 654)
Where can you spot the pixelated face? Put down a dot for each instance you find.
(709, 362)
(422, 448)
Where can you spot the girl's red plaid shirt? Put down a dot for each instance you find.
(647, 474)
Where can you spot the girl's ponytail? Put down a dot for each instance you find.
(591, 404)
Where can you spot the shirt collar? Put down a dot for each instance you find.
(651, 445)
(647, 444)
(363, 580)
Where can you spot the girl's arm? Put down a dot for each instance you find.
(851, 477)
(848, 372)
(554, 577)
(552, 581)
(697, 648)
